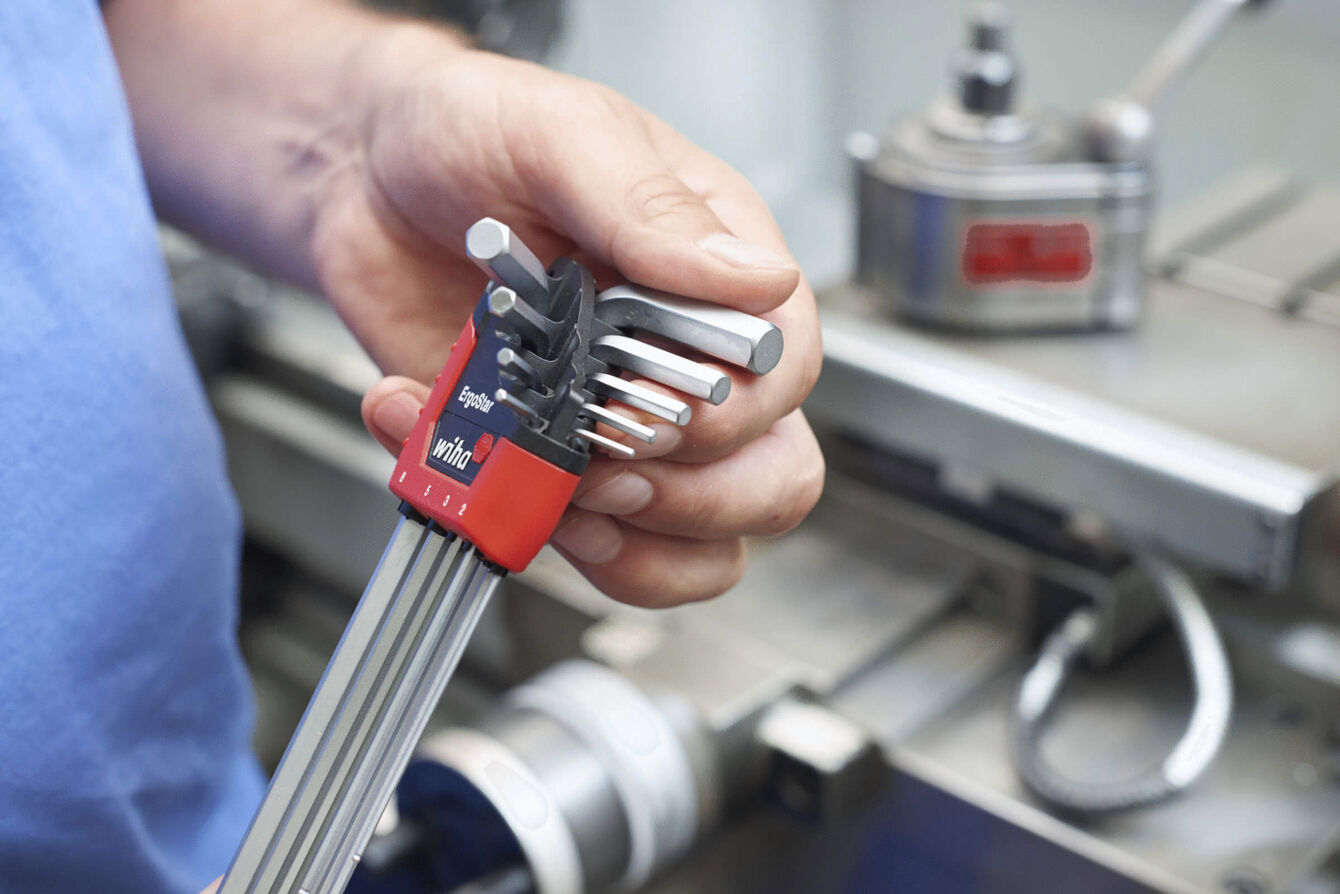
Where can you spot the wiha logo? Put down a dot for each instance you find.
(452, 452)
(473, 400)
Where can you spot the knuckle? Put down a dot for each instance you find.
(778, 522)
(712, 431)
(712, 579)
(700, 511)
(785, 517)
(811, 486)
(813, 367)
(654, 197)
(608, 101)
(805, 485)
(732, 571)
(811, 364)
(717, 568)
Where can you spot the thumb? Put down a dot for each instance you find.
(391, 408)
(614, 194)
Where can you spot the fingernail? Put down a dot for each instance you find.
(397, 414)
(746, 255)
(593, 539)
(623, 494)
(667, 439)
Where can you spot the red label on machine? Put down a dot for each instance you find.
(1017, 252)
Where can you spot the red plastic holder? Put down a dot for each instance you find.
(462, 467)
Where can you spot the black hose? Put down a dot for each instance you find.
(1207, 727)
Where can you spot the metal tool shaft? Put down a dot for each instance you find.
(366, 715)
(492, 245)
(1184, 47)
(640, 397)
(620, 422)
(746, 341)
(662, 366)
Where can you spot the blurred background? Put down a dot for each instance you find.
(774, 87)
(1027, 479)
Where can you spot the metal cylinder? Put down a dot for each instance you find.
(591, 774)
(578, 782)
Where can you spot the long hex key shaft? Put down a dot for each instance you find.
(662, 366)
(366, 715)
(640, 397)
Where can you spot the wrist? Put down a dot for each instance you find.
(246, 112)
(376, 86)
(396, 50)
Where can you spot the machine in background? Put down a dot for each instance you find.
(987, 213)
(846, 718)
(973, 488)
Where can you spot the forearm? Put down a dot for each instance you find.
(246, 110)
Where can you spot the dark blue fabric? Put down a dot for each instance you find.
(124, 711)
(466, 837)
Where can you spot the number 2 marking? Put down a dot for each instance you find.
(461, 511)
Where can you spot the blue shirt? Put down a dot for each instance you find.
(124, 706)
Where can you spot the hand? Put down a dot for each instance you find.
(452, 136)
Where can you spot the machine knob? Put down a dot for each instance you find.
(984, 71)
(989, 27)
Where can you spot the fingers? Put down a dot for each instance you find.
(630, 564)
(487, 135)
(642, 568)
(756, 402)
(659, 532)
(764, 488)
(599, 179)
(582, 164)
(391, 408)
